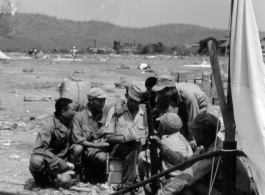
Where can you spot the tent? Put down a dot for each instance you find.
(3, 56)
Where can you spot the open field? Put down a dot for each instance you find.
(15, 113)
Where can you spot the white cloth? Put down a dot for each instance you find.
(248, 88)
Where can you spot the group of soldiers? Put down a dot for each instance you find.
(83, 138)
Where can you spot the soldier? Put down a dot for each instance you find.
(197, 178)
(168, 136)
(49, 158)
(74, 52)
(126, 133)
(87, 137)
(188, 98)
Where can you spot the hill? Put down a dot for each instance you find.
(45, 33)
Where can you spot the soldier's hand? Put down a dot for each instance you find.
(70, 165)
(119, 108)
(129, 137)
(157, 139)
(103, 145)
(193, 144)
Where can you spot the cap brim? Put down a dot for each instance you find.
(134, 96)
(102, 96)
(158, 88)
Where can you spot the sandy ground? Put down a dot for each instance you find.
(17, 128)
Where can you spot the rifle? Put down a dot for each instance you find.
(153, 147)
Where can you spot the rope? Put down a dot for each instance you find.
(180, 166)
(215, 143)
(212, 180)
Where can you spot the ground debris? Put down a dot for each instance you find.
(79, 189)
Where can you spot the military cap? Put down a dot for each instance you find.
(135, 92)
(164, 81)
(96, 93)
(171, 122)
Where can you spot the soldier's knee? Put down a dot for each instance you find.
(37, 162)
(77, 150)
(101, 158)
(63, 180)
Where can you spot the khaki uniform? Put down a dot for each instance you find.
(86, 127)
(122, 125)
(191, 101)
(52, 144)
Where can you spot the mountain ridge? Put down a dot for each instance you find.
(47, 32)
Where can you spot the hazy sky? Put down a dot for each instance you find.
(142, 13)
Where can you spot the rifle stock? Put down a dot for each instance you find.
(153, 147)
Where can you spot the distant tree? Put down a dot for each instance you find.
(7, 18)
(63, 50)
(146, 49)
(203, 44)
(158, 47)
(176, 49)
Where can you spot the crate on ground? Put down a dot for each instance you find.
(215, 101)
(207, 76)
(182, 81)
(183, 75)
(225, 84)
(190, 76)
(214, 94)
(213, 84)
(115, 170)
(96, 84)
(225, 92)
(225, 77)
(199, 83)
(198, 76)
(175, 74)
(206, 85)
(208, 93)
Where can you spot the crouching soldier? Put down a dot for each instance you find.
(126, 133)
(196, 179)
(169, 131)
(87, 137)
(49, 158)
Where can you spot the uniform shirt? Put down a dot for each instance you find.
(177, 143)
(123, 124)
(192, 99)
(52, 144)
(202, 170)
(86, 127)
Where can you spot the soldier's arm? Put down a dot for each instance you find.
(79, 138)
(109, 129)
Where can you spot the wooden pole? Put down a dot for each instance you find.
(229, 159)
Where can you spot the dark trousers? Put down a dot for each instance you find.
(129, 152)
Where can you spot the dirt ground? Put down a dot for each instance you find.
(18, 132)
